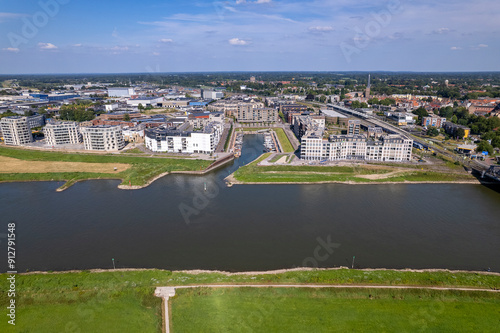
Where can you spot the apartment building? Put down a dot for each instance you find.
(353, 126)
(162, 139)
(248, 114)
(389, 148)
(433, 120)
(103, 137)
(16, 130)
(60, 133)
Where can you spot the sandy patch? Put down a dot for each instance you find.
(13, 165)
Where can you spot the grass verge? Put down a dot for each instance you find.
(143, 168)
(328, 310)
(123, 301)
(285, 143)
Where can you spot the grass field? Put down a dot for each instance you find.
(123, 301)
(133, 151)
(14, 165)
(285, 143)
(332, 310)
(141, 171)
(366, 173)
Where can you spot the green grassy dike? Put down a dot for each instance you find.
(143, 168)
(124, 301)
(252, 173)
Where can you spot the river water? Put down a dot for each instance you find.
(175, 224)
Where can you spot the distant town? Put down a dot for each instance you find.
(320, 120)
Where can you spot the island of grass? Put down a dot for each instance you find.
(284, 141)
(359, 173)
(124, 301)
(134, 171)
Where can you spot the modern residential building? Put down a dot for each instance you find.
(103, 137)
(304, 124)
(433, 120)
(389, 148)
(16, 130)
(133, 134)
(163, 139)
(121, 92)
(36, 121)
(60, 133)
(353, 126)
(248, 114)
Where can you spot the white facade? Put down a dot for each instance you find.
(16, 131)
(61, 133)
(145, 101)
(103, 137)
(121, 92)
(390, 148)
(172, 141)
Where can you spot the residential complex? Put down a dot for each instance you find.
(433, 120)
(60, 133)
(103, 137)
(16, 130)
(248, 114)
(162, 139)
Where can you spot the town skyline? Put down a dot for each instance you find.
(62, 36)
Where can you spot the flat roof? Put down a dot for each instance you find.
(332, 113)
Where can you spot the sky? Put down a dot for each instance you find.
(117, 36)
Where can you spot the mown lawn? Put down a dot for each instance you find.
(123, 301)
(143, 168)
(332, 310)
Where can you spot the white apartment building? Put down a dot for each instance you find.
(389, 148)
(60, 133)
(162, 139)
(103, 137)
(16, 130)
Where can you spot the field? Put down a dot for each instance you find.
(285, 143)
(14, 165)
(332, 310)
(141, 170)
(123, 301)
(252, 173)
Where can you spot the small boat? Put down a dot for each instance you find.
(205, 186)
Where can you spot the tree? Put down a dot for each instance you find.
(126, 117)
(140, 106)
(420, 112)
(495, 142)
(454, 119)
(433, 131)
(460, 133)
(484, 146)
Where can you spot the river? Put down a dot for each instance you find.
(175, 224)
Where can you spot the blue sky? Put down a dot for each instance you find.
(76, 36)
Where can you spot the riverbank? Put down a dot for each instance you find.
(261, 171)
(133, 171)
(124, 300)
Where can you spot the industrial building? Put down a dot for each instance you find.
(121, 92)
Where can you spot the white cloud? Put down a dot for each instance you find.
(119, 48)
(482, 45)
(441, 31)
(166, 40)
(237, 41)
(263, 1)
(156, 53)
(455, 48)
(9, 16)
(47, 46)
(320, 29)
(11, 49)
(77, 45)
